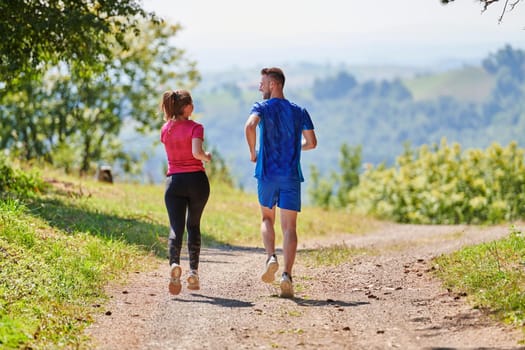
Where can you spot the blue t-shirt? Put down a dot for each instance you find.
(281, 125)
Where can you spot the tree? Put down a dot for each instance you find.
(507, 65)
(38, 32)
(350, 167)
(335, 87)
(23, 119)
(509, 5)
(321, 189)
(506, 59)
(79, 110)
(334, 190)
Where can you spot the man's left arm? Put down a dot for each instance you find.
(309, 140)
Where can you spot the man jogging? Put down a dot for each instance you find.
(285, 129)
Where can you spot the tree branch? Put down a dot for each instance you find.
(486, 3)
(503, 12)
(514, 4)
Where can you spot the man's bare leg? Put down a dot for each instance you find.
(289, 227)
(268, 236)
(268, 229)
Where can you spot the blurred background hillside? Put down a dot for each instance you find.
(381, 108)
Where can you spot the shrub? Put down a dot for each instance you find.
(443, 185)
(18, 183)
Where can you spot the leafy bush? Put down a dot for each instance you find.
(443, 185)
(18, 183)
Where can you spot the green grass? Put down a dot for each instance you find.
(491, 274)
(49, 279)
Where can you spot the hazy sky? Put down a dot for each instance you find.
(226, 33)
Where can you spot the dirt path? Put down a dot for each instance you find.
(380, 301)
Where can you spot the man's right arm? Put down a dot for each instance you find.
(250, 130)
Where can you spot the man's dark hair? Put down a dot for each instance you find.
(275, 74)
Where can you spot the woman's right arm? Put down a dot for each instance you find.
(198, 152)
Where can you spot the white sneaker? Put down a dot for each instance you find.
(193, 280)
(286, 286)
(175, 285)
(270, 269)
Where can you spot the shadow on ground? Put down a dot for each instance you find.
(225, 302)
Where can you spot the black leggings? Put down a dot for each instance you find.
(186, 192)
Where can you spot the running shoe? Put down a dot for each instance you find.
(286, 286)
(175, 285)
(193, 280)
(270, 269)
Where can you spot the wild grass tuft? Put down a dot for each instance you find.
(491, 274)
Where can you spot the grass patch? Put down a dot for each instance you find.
(50, 281)
(491, 274)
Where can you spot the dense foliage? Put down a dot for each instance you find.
(445, 185)
(16, 182)
(36, 32)
(71, 115)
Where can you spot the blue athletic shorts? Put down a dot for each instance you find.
(287, 195)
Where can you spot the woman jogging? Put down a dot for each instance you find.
(187, 186)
